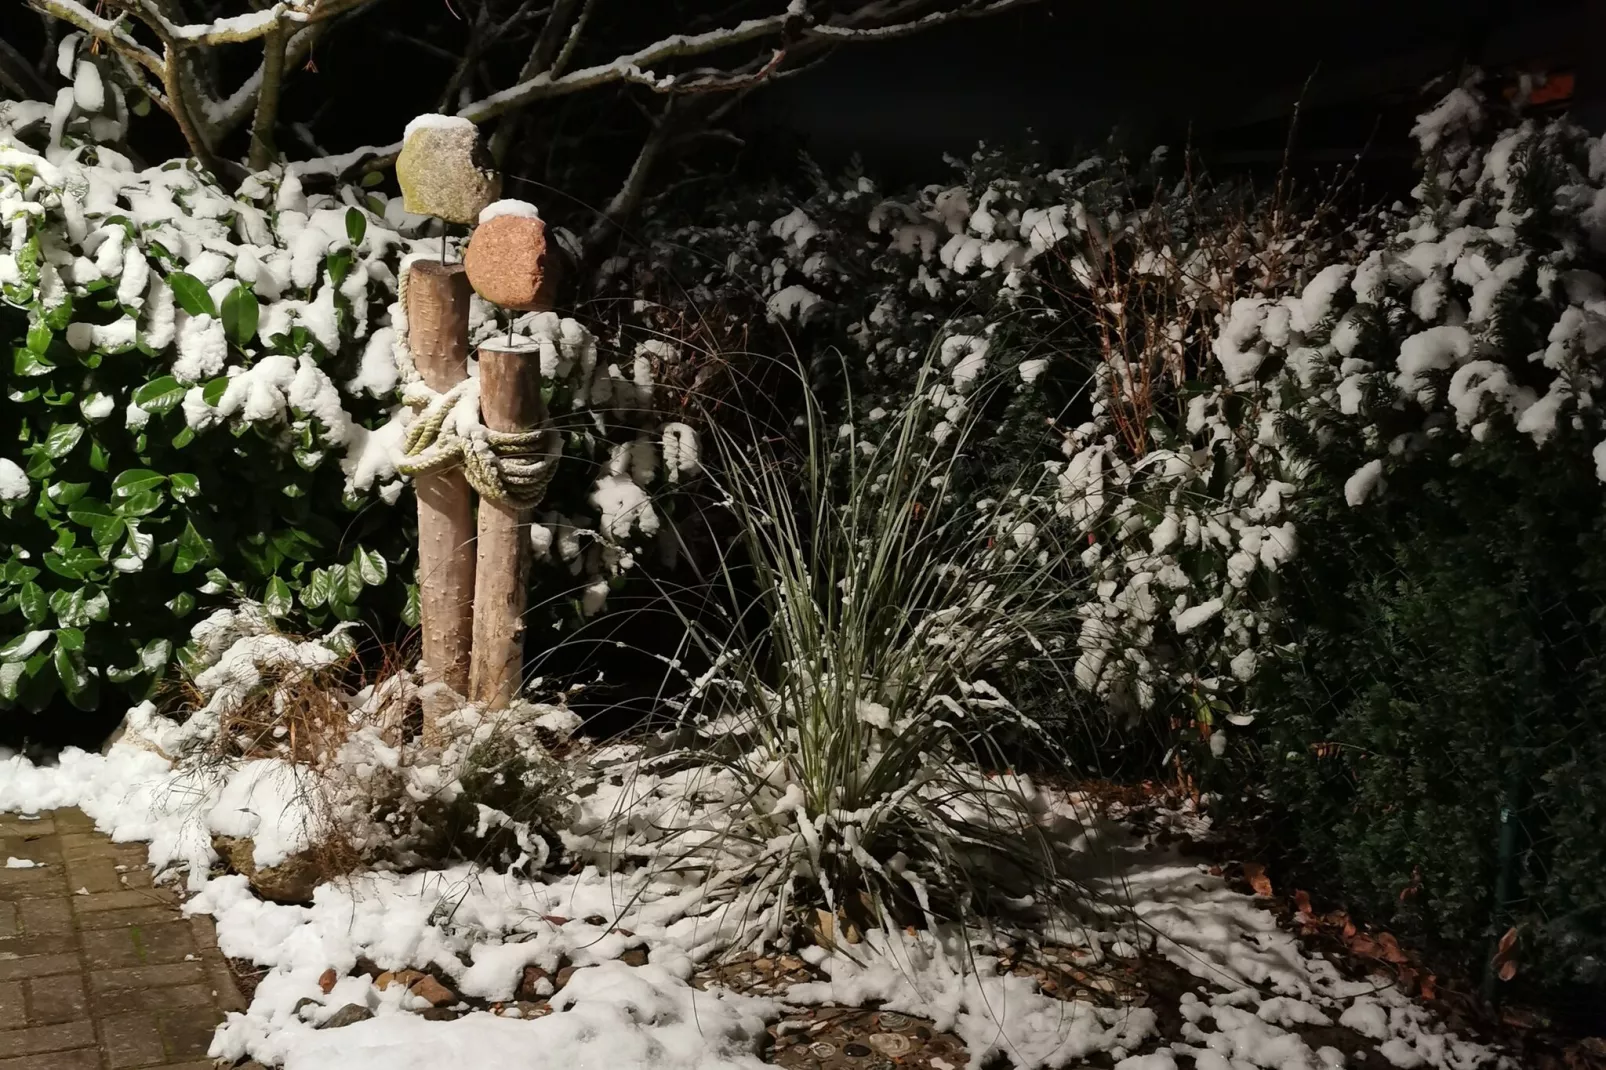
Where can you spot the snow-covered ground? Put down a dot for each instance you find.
(625, 939)
(480, 928)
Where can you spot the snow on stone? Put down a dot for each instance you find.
(496, 209)
(436, 121)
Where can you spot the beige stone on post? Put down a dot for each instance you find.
(508, 260)
(444, 171)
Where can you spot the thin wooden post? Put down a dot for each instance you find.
(510, 400)
(437, 334)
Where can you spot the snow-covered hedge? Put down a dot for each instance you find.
(1192, 348)
(1073, 312)
(202, 404)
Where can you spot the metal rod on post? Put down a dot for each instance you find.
(437, 334)
(510, 400)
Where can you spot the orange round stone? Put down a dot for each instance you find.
(508, 263)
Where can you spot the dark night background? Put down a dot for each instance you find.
(1224, 78)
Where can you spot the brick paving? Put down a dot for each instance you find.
(98, 969)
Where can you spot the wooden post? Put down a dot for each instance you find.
(510, 400)
(437, 334)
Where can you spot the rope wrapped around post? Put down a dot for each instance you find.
(512, 468)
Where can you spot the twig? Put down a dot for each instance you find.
(267, 111)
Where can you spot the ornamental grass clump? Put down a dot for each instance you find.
(850, 731)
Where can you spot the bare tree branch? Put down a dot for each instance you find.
(561, 64)
(233, 110)
(172, 81)
(636, 67)
(267, 113)
(110, 31)
(541, 59)
(19, 76)
(180, 78)
(677, 114)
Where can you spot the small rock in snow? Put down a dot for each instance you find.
(437, 994)
(350, 1014)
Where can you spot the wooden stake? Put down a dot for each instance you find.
(510, 400)
(437, 334)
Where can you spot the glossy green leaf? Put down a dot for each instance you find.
(136, 480)
(26, 363)
(184, 486)
(144, 503)
(191, 295)
(160, 395)
(277, 600)
(64, 494)
(371, 565)
(62, 439)
(33, 602)
(86, 512)
(240, 315)
(356, 225)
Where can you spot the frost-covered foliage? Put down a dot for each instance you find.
(203, 404)
(1434, 738)
(1073, 314)
(301, 759)
(175, 409)
(1190, 348)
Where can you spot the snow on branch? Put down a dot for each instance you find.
(795, 26)
(111, 31)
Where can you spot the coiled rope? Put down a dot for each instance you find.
(511, 468)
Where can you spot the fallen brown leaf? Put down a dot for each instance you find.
(1508, 970)
(327, 981)
(1255, 874)
(1302, 903)
(1389, 948)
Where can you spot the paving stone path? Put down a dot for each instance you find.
(98, 969)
